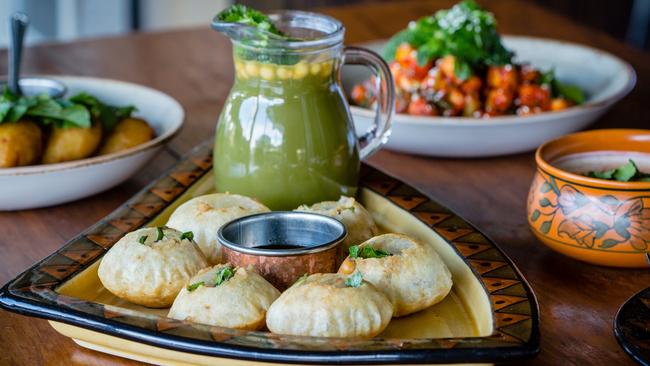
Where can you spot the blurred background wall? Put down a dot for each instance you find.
(61, 20)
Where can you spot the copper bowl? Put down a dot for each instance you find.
(283, 246)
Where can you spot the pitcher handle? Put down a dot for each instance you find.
(376, 136)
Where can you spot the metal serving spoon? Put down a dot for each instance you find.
(18, 23)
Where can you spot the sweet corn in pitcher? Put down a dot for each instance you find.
(285, 135)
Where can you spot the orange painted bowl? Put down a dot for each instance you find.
(598, 221)
(283, 245)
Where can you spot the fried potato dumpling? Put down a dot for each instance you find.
(240, 301)
(21, 143)
(410, 273)
(128, 133)
(204, 215)
(352, 214)
(323, 305)
(72, 143)
(150, 266)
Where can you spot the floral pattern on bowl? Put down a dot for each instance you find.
(602, 222)
(586, 219)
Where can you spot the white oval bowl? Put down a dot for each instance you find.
(604, 77)
(51, 184)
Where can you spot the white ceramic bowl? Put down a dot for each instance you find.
(604, 77)
(46, 185)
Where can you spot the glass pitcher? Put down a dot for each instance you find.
(285, 135)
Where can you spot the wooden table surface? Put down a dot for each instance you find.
(578, 301)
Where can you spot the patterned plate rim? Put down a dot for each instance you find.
(631, 319)
(514, 306)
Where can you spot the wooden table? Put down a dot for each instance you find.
(578, 301)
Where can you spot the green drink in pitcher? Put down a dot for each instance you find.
(285, 135)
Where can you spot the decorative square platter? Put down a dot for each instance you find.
(490, 316)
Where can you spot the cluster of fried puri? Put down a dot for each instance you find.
(179, 265)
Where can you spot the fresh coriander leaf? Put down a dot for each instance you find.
(108, 115)
(161, 233)
(20, 107)
(367, 252)
(606, 174)
(355, 280)
(223, 275)
(640, 176)
(8, 95)
(142, 239)
(194, 286)
(570, 92)
(462, 70)
(547, 78)
(45, 106)
(242, 14)
(354, 251)
(625, 172)
(73, 114)
(628, 172)
(123, 112)
(5, 107)
(187, 235)
(78, 111)
(261, 30)
(558, 89)
(77, 115)
(465, 31)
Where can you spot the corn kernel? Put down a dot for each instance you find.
(326, 68)
(300, 70)
(252, 70)
(315, 69)
(267, 72)
(283, 73)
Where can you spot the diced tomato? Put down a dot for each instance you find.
(362, 95)
(402, 100)
(530, 75)
(404, 54)
(532, 96)
(435, 81)
(402, 79)
(498, 101)
(471, 85)
(408, 84)
(395, 68)
(472, 106)
(457, 100)
(429, 82)
(447, 65)
(558, 104)
(358, 95)
(419, 72)
(502, 77)
(420, 107)
(407, 57)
